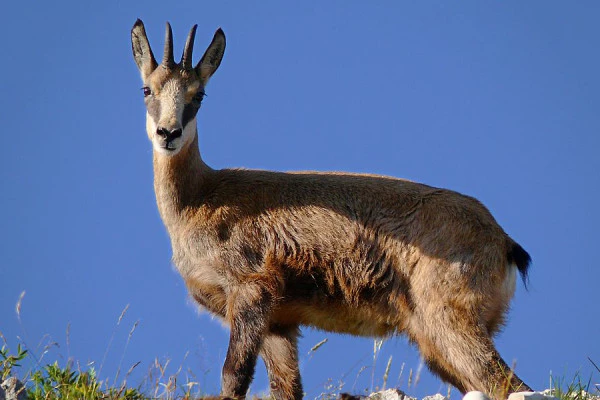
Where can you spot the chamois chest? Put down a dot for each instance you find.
(198, 261)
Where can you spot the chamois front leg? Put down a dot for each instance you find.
(280, 353)
(248, 311)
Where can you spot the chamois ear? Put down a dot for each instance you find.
(212, 57)
(142, 53)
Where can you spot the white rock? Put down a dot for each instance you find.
(436, 396)
(530, 396)
(582, 394)
(474, 395)
(12, 389)
(390, 394)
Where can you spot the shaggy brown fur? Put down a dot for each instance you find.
(366, 255)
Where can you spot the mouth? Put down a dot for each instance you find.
(167, 147)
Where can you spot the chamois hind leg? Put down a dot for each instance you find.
(280, 353)
(459, 349)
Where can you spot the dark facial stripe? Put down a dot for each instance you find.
(153, 107)
(189, 112)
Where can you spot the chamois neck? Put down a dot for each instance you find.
(179, 181)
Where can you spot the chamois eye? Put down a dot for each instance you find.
(147, 91)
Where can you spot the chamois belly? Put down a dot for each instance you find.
(357, 321)
(315, 301)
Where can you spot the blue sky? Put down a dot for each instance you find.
(495, 100)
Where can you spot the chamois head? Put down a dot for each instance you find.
(173, 92)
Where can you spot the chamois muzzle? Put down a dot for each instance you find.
(168, 135)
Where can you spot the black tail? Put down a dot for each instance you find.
(518, 256)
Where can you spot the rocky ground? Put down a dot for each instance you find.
(13, 389)
(395, 394)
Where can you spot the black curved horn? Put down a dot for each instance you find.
(168, 60)
(186, 58)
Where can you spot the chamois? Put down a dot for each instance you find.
(367, 255)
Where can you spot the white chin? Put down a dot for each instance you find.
(170, 151)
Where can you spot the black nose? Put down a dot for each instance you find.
(168, 135)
